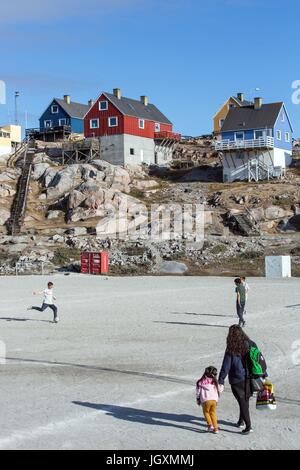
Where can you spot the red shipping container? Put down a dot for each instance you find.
(104, 262)
(94, 263)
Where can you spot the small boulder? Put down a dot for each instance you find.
(172, 267)
(4, 216)
(6, 190)
(53, 214)
(76, 231)
(39, 170)
(276, 212)
(144, 185)
(75, 198)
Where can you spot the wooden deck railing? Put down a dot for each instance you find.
(262, 142)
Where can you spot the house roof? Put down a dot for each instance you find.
(242, 103)
(247, 117)
(239, 102)
(75, 110)
(136, 108)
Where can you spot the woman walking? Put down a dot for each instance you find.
(234, 365)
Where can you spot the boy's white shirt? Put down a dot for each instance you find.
(48, 296)
(247, 288)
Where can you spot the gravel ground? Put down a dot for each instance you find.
(119, 370)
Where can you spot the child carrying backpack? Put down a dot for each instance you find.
(207, 395)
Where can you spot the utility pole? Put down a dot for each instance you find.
(17, 94)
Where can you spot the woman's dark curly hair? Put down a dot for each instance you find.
(237, 341)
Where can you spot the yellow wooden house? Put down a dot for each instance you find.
(232, 102)
(10, 136)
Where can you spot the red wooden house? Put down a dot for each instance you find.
(130, 131)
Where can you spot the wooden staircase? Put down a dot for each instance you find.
(19, 204)
(18, 153)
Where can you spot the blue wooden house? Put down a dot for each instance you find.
(256, 142)
(64, 113)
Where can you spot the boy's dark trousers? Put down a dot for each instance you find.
(240, 310)
(44, 306)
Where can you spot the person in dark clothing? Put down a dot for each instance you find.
(240, 290)
(234, 366)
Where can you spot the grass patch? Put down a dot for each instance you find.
(63, 256)
(250, 255)
(137, 193)
(205, 245)
(8, 260)
(218, 249)
(284, 202)
(135, 251)
(128, 270)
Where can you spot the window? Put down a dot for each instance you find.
(157, 127)
(5, 134)
(54, 109)
(282, 117)
(131, 151)
(278, 134)
(239, 136)
(62, 122)
(141, 124)
(231, 106)
(258, 134)
(94, 123)
(103, 105)
(112, 122)
(221, 122)
(48, 123)
(287, 136)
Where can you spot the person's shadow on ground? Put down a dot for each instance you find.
(24, 319)
(181, 421)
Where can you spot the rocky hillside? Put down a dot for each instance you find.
(72, 209)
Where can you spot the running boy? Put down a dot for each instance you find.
(47, 302)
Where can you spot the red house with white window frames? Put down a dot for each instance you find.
(130, 131)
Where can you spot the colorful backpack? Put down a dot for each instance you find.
(256, 362)
(265, 399)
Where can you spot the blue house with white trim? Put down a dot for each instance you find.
(64, 112)
(256, 142)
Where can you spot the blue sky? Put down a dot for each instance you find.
(188, 56)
